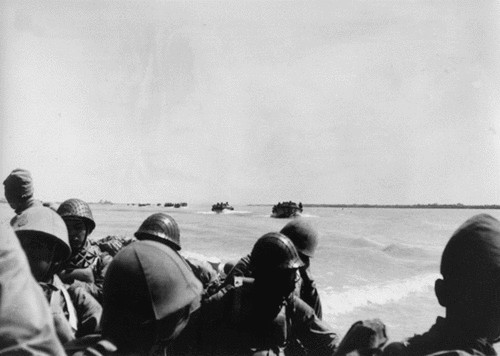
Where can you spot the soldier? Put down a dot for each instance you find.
(88, 263)
(18, 187)
(149, 295)
(44, 238)
(305, 238)
(163, 228)
(263, 316)
(26, 326)
(470, 292)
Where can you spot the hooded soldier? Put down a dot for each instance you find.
(149, 295)
(26, 326)
(18, 187)
(469, 290)
(163, 228)
(88, 263)
(44, 239)
(263, 316)
(305, 238)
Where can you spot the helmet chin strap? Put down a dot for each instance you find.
(74, 251)
(48, 275)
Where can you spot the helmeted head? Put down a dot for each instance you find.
(274, 262)
(160, 227)
(18, 187)
(79, 220)
(148, 295)
(44, 238)
(470, 265)
(303, 235)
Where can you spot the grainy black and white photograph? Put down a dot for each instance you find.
(250, 177)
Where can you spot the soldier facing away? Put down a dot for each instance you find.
(469, 290)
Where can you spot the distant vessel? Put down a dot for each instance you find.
(220, 207)
(177, 205)
(286, 209)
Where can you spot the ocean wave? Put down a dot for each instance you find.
(361, 242)
(341, 302)
(400, 250)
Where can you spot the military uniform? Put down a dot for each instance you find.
(75, 312)
(87, 269)
(232, 324)
(88, 264)
(25, 324)
(442, 339)
(91, 345)
(305, 290)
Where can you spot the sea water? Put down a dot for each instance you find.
(370, 262)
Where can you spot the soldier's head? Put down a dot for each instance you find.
(470, 266)
(275, 262)
(304, 236)
(149, 293)
(160, 227)
(79, 220)
(18, 188)
(44, 238)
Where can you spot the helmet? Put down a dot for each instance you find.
(147, 281)
(275, 251)
(44, 222)
(162, 228)
(303, 235)
(76, 208)
(473, 249)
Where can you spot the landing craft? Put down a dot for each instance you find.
(220, 207)
(286, 209)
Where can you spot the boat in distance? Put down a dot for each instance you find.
(287, 209)
(220, 207)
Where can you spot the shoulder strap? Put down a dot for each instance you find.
(72, 315)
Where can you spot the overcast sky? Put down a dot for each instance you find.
(253, 102)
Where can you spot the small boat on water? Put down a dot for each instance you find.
(286, 209)
(220, 207)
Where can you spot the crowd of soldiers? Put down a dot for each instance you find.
(62, 293)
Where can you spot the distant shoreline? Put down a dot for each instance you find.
(395, 206)
(377, 206)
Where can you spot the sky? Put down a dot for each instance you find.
(380, 102)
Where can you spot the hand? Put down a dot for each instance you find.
(80, 274)
(305, 274)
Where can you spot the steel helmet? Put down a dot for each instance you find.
(46, 223)
(473, 249)
(162, 228)
(147, 281)
(303, 235)
(76, 208)
(275, 251)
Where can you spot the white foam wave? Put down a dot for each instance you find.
(224, 212)
(308, 215)
(235, 212)
(341, 302)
